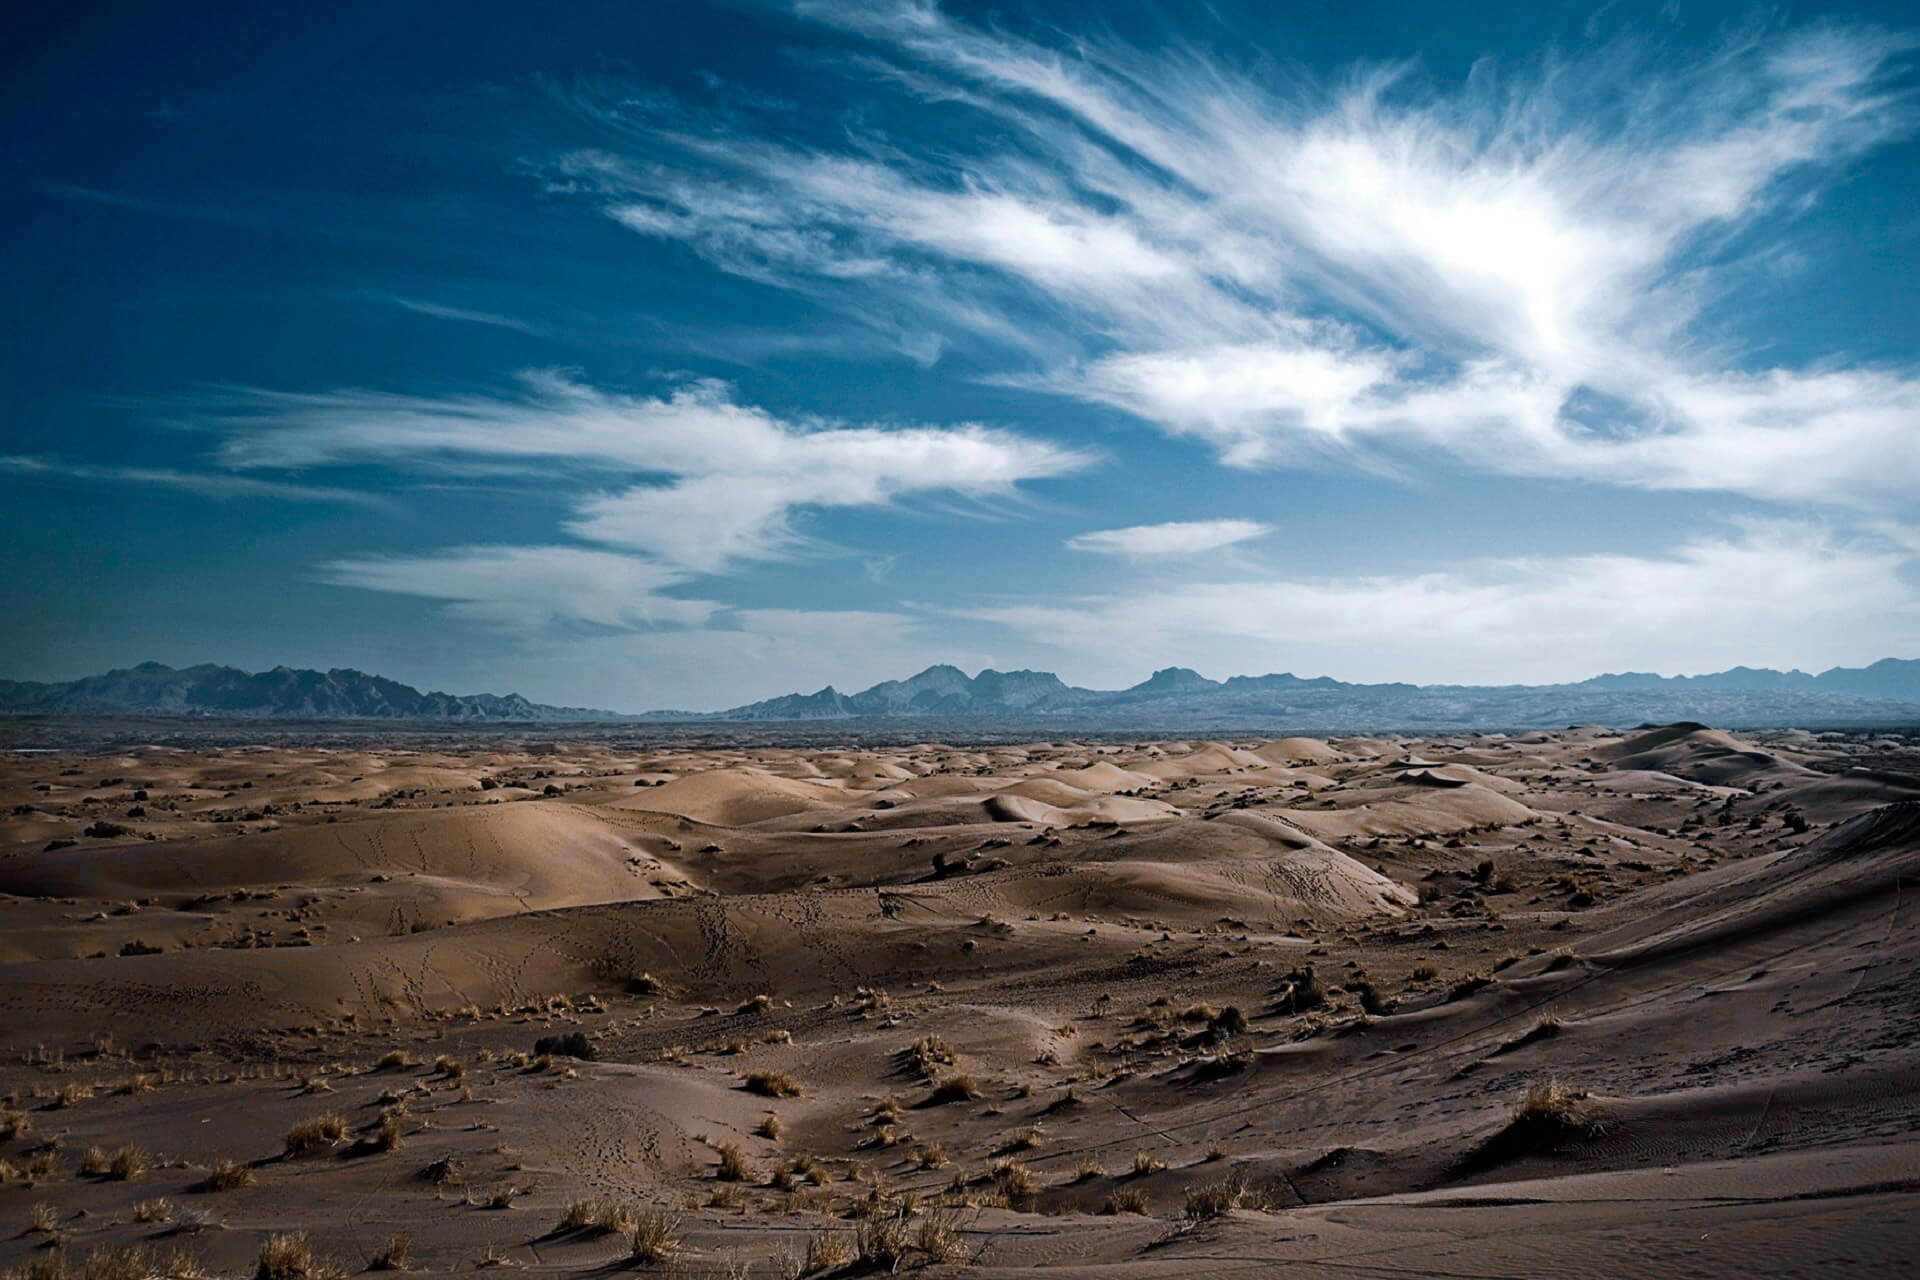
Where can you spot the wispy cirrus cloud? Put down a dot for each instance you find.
(221, 486)
(530, 588)
(1516, 271)
(692, 478)
(1179, 538)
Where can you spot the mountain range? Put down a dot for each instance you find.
(1887, 692)
(284, 693)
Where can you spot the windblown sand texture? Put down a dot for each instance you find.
(1198, 1008)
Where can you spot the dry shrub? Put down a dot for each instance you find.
(827, 1250)
(770, 1127)
(1144, 1164)
(94, 1162)
(15, 1124)
(930, 1156)
(925, 1055)
(290, 1256)
(316, 1133)
(227, 1175)
(1013, 1178)
(393, 1253)
(761, 1003)
(128, 1163)
(604, 1216)
(43, 1218)
(158, 1209)
(958, 1088)
(656, 1237)
(777, 1037)
(1127, 1200)
(733, 1164)
(394, 1060)
(1556, 1112)
(772, 1084)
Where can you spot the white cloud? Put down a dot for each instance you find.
(202, 483)
(1283, 268)
(700, 480)
(1771, 594)
(530, 588)
(1181, 538)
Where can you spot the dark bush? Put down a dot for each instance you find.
(574, 1044)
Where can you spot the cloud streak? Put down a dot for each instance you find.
(693, 478)
(1180, 538)
(1513, 273)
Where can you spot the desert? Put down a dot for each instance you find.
(1575, 1002)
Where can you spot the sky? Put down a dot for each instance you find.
(673, 356)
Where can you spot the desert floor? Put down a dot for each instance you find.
(1573, 1003)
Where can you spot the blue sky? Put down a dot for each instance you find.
(673, 356)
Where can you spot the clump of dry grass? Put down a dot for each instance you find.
(724, 1195)
(777, 1037)
(391, 1132)
(1216, 1199)
(451, 1067)
(1553, 1112)
(290, 1256)
(72, 1092)
(772, 1084)
(656, 1237)
(1088, 1169)
(393, 1254)
(733, 1164)
(15, 1124)
(770, 1127)
(394, 1060)
(158, 1209)
(227, 1175)
(1145, 1163)
(956, 1088)
(316, 1133)
(603, 1216)
(827, 1250)
(43, 1218)
(128, 1163)
(925, 1056)
(1014, 1178)
(762, 1003)
(94, 1162)
(1127, 1200)
(930, 1156)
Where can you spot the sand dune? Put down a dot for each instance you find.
(1284, 997)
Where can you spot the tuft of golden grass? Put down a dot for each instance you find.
(770, 1127)
(601, 1215)
(656, 1237)
(15, 1124)
(1127, 1200)
(772, 1084)
(733, 1164)
(228, 1175)
(94, 1162)
(158, 1209)
(316, 1133)
(1145, 1163)
(43, 1218)
(827, 1250)
(289, 1256)
(393, 1254)
(394, 1060)
(956, 1088)
(128, 1163)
